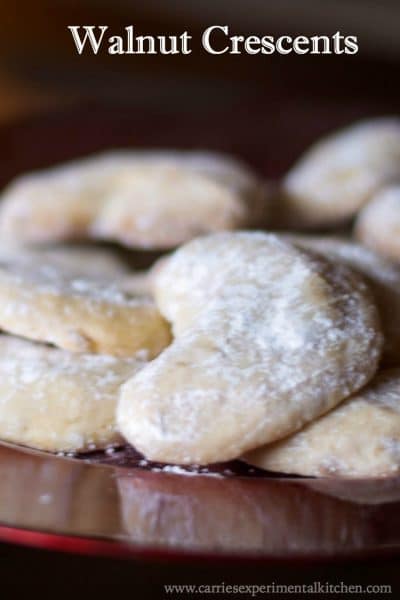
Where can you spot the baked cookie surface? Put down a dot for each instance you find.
(145, 199)
(340, 173)
(43, 303)
(381, 275)
(58, 401)
(359, 438)
(267, 338)
(378, 224)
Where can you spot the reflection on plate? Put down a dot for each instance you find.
(196, 513)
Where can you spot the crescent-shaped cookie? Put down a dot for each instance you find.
(267, 338)
(58, 401)
(145, 199)
(359, 438)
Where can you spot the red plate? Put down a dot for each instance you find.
(123, 509)
(113, 504)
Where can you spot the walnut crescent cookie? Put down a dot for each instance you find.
(381, 275)
(340, 173)
(76, 259)
(44, 304)
(85, 261)
(359, 438)
(145, 199)
(94, 262)
(168, 199)
(58, 401)
(267, 338)
(378, 223)
(59, 203)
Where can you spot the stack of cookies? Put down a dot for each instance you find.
(281, 349)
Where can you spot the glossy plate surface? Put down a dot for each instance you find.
(223, 512)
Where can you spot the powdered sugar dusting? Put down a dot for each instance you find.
(359, 438)
(59, 401)
(267, 338)
(45, 303)
(382, 276)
